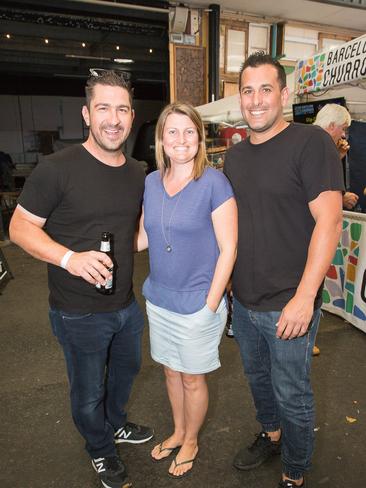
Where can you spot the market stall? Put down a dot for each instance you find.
(345, 284)
(338, 76)
(342, 72)
(222, 116)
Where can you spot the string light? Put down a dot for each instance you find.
(8, 36)
(83, 44)
(123, 60)
(150, 51)
(117, 47)
(46, 41)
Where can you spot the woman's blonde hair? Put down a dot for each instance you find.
(200, 160)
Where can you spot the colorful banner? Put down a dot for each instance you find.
(345, 284)
(343, 64)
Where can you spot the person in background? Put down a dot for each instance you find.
(287, 179)
(190, 225)
(6, 172)
(336, 119)
(78, 193)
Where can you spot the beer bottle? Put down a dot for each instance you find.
(105, 246)
(229, 323)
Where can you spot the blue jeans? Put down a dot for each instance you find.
(278, 372)
(103, 355)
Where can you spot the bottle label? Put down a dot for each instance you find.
(109, 284)
(105, 246)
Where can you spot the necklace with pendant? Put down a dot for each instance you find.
(167, 236)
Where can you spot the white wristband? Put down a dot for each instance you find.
(66, 258)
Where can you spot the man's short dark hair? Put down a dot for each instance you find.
(260, 58)
(107, 78)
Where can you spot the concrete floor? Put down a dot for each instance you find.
(40, 447)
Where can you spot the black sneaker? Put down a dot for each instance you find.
(135, 434)
(261, 450)
(291, 484)
(111, 471)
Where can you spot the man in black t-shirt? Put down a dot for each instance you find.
(287, 179)
(67, 202)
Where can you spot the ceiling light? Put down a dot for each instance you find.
(46, 41)
(83, 44)
(8, 36)
(123, 60)
(79, 56)
(117, 47)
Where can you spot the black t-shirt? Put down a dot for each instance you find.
(82, 197)
(273, 183)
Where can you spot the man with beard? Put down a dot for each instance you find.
(67, 203)
(287, 179)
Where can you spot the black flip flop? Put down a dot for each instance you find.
(162, 449)
(178, 477)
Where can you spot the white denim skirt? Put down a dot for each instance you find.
(186, 343)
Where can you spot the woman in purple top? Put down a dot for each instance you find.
(189, 223)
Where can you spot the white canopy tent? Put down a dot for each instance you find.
(226, 111)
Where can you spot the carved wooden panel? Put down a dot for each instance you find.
(190, 74)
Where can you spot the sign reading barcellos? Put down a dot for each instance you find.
(340, 65)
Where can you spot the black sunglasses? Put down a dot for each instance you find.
(97, 72)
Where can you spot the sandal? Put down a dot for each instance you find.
(177, 477)
(162, 449)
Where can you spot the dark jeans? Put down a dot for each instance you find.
(279, 376)
(103, 356)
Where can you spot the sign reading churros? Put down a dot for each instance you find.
(343, 64)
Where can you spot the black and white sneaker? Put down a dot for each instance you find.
(260, 451)
(291, 484)
(133, 433)
(111, 471)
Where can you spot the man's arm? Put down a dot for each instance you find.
(26, 230)
(327, 212)
(141, 241)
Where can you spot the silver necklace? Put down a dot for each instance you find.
(167, 237)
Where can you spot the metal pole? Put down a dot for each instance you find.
(274, 41)
(214, 52)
